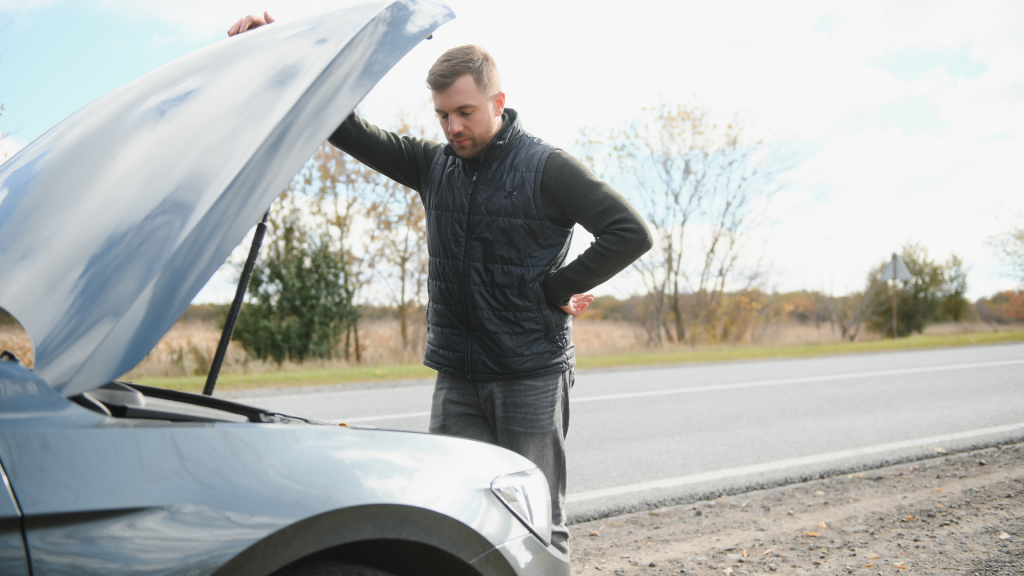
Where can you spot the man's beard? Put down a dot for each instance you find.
(475, 150)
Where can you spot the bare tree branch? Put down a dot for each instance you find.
(704, 189)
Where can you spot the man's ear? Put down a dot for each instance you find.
(499, 103)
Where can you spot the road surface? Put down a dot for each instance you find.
(645, 437)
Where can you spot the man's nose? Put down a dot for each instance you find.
(454, 126)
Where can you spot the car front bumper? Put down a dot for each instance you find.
(526, 556)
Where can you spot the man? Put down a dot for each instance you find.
(500, 208)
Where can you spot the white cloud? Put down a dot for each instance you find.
(916, 107)
(936, 165)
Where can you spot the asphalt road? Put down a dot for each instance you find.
(640, 438)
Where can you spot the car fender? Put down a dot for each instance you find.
(323, 533)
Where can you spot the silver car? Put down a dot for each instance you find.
(110, 223)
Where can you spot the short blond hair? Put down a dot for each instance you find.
(458, 62)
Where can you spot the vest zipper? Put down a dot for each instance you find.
(465, 270)
(465, 255)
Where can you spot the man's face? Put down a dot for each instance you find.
(469, 118)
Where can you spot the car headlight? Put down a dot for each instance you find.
(527, 495)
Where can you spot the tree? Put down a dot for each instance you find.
(660, 160)
(1003, 308)
(377, 224)
(1009, 246)
(954, 306)
(848, 314)
(401, 225)
(299, 303)
(340, 192)
(703, 187)
(935, 293)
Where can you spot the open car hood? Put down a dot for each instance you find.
(112, 221)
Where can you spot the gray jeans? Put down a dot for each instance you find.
(529, 416)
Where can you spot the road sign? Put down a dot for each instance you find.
(896, 270)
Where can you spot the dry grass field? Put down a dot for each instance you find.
(13, 339)
(611, 337)
(188, 348)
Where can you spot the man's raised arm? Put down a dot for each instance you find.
(404, 159)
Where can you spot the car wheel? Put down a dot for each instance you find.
(335, 569)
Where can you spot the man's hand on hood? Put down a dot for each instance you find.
(249, 22)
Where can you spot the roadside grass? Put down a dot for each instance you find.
(737, 353)
(702, 354)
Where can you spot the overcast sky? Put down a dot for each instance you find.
(913, 112)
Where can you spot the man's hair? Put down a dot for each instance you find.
(458, 62)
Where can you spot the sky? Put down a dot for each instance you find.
(911, 113)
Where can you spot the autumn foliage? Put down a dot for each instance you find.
(1003, 308)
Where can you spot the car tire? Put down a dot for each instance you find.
(338, 569)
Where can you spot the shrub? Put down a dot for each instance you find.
(299, 301)
(936, 293)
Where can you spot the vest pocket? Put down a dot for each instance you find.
(540, 303)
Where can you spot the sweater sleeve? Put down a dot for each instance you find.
(570, 193)
(403, 159)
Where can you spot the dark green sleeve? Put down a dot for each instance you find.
(404, 159)
(570, 194)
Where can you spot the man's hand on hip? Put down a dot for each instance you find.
(248, 23)
(578, 303)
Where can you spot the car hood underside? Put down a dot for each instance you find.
(112, 221)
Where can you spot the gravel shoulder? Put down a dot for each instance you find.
(961, 514)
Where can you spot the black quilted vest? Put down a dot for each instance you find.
(490, 250)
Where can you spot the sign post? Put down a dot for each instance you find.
(895, 270)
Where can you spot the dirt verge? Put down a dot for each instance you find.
(961, 514)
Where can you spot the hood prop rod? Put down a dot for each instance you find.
(236, 305)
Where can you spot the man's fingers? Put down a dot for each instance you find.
(578, 303)
(241, 26)
(249, 22)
